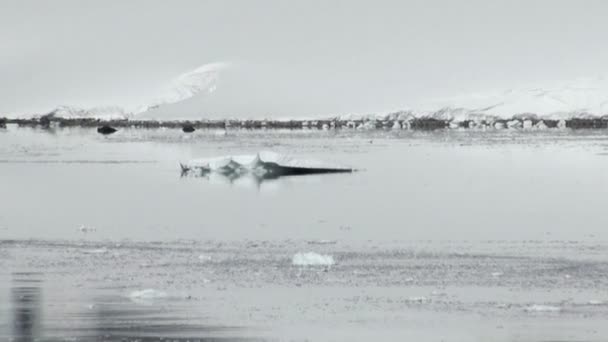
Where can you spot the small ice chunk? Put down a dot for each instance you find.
(497, 274)
(542, 308)
(540, 125)
(499, 125)
(396, 125)
(418, 300)
(312, 259)
(86, 229)
(595, 302)
(204, 258)
(528, 124)
(147, 294)
(322, 242)
(102, 250)
(454, 125)
(514, 124)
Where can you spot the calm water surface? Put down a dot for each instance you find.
(450, 235)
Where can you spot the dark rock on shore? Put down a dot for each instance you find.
(188, 128)
(45, 121)
(2, 123)
(428, 124)
(587, 123)
(106, 130)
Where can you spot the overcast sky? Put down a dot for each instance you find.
(291, 58)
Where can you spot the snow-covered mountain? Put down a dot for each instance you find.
(102, 112)
(202, 80)
(579, 98)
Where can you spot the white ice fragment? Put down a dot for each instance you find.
(322, 242)
(540, 125)
(542, 308)
(418, 300)
(561, 124)
(147, 294)
(528, 124)
(514, 124)
(370, 124)
(312, 259)
(86, 229)
(497, 274)
(499, 125)
(396, 125)
(453, 124)
(102, 250)
(204, 258)
(595, 302)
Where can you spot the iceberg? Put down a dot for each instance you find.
(262, 166)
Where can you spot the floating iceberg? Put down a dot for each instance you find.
(264, 165)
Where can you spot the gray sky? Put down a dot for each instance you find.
(291, 58)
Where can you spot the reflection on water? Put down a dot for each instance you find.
(109, 319)
(26, 296)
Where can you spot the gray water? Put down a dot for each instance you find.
(440, 236)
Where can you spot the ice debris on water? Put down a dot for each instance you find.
(542, 308)
(312, 259)
(147, 294)
(322, 242)
(417, 300)
(102, 250)
(204, 258)
(86, 229)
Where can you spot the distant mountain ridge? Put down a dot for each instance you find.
(583, 98)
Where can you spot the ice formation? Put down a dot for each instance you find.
(264, 165)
